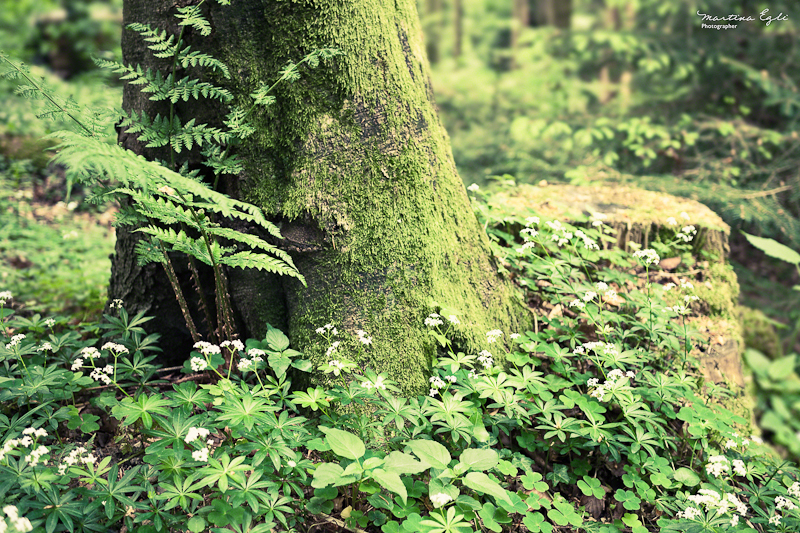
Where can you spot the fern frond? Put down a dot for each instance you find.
(185, 88)
(220, 163)
(148, 252)
(252, 241)
(163, 45)
(187, 58)
(261, 262)
(181, 242)
(192, 16)
(191, 134)
(166, 211)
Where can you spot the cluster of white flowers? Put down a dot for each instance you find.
(739, 467)
(256, 356)
(577, 303)
(597, 218)
(90, 352)
(514, 336)
(45, 347)
(379, 384)
(20, 523)
(206, 348)
(116, 303)
(530, 221)
(648, 256)
(713, 501)
(114, 347)
(453, 319)
(687, 233)
(327, 328)
(473, 188)
(198, 364)
(27, 440)
(332, 348)
(717, 465)
(363, 338)
(671, 221)
(493, 335)
(102, 374)
(235, 345)
(15, 340)
(596, 346)
(784, 503)
(337, 365)
(607, 291)
(588, 242)
(195, 433)
(612, 379)
(433, 320)
(5, 296)
(49, 322)
(678, 309)
(200, 455)
(560, 233)
(78, 455)
(440, 498)
(794, 490)
(686, 285)
(668, 286)
(485, 358)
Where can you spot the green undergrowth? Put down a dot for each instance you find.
(54, 257)
(598, 422)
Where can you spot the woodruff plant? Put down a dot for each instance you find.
(164, 200)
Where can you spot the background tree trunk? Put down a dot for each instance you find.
(354, 164)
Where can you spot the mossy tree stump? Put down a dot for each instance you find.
(636, 216)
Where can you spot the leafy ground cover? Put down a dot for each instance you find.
(596, 421)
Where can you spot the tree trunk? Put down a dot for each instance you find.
(354, 164)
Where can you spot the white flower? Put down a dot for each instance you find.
(77, 364)
(98, 375)
(730, 443)
(514, 336)
(15, 340)
(196, 433)
(244, 364)
(689, 513)
(50, 322)
(198, 364)
(365, 340)
(236, 344)
(255, 352)
(206, 348)
(440, 498)
(453, 319)
(668, 286)
(577, 303)
(379, 384)
(5, 296)
(717, 465)
(672, 222)
(320, 330)
(775, 520)
(90, 352)
(433, 320)
(690, 298)
(332, 349)
(602, 286)
(630, 375)
(686, 285)
(451, 379)
(531, 220)
(328, 326)
(436, 382)
(684, 216)
(291, 464)
(526, 246)
(114, 347)
(200, 455)
(433, 392)
(474, 187)
(116, 304)
(794, 490)
(593, 382)
(615, 374)
(783, 503)
(589, 296)
(493, 335)
(648, 256)
(45, 347)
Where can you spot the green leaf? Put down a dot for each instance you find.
(781, 368)
(343, 443)
(403, 463)
(276, 339)
(687, 477)
(303, 365)
(329, 474)
(774, 249)
(480, 460)
(482, 483)
(279, 363)
(196, 524)
(430, 452)
(391, 482)
(536, 523)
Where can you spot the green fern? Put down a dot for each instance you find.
(169, 204)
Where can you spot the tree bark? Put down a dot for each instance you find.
(355, 166)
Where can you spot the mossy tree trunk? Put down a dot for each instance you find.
(354, 164)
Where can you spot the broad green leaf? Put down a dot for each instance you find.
(781, 368)
(430, 452)
(687, 477)
(196, 524)
(403, 463)
(480, 460)
(482, 483)
(279, 363)
(343, 443)
(391, 482)
(329, 474)
(774, 249)
(276, 339)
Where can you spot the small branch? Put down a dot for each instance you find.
(173, 280)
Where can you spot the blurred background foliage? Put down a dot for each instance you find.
(575, 91)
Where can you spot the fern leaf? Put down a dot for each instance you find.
(148, 252)
(252, 241)
(187, 58)
(261, 262)
(191, 16)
